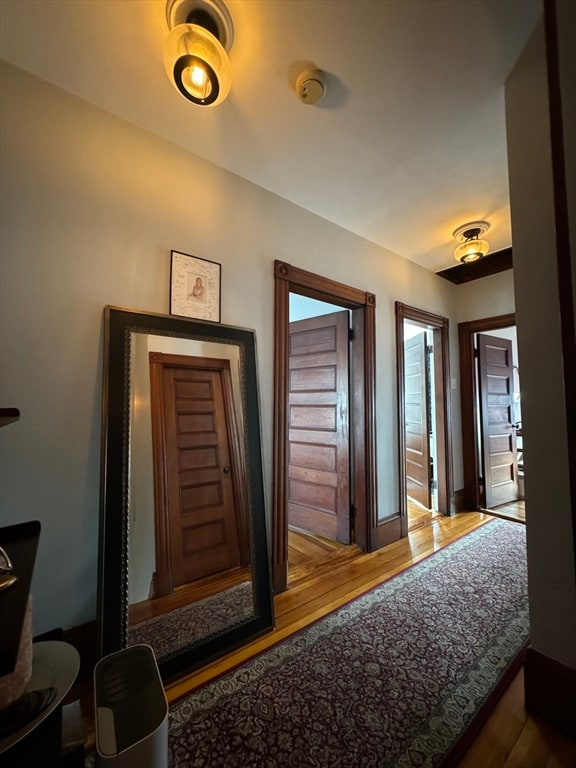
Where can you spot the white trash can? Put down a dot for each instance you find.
(131, 710)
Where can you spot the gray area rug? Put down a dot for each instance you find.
(394, 678)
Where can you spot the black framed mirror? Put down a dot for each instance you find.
(183, 552)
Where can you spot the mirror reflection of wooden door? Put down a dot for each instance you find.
(200, 511)
(498, 433)
(318, 429)
(417, 420)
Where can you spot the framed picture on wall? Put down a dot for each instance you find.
(194, 287)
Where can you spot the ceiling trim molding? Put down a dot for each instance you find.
(499, 261)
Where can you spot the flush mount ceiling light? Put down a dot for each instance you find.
(471, 247)
(196, 50)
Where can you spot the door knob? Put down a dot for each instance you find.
(226, 470)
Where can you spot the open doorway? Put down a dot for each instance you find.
(320, 483)
(319, 478)
(360, 493)
(491, 417)
(423, 417)
(499, 435)
(421, 455)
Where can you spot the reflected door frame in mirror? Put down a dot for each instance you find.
(120, 325)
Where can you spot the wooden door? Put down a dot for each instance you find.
(498, 434)
(417, 419)
(200, 507)
(318, 430)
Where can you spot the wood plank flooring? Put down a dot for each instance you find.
(511, 738)
(308, 555)
(419, 516)
(515, 510)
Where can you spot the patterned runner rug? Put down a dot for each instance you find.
(394, 678)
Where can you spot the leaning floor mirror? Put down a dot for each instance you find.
(183, 555)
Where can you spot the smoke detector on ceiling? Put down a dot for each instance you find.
(311, 86)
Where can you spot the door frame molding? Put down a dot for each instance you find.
(468, 398)
(441, 339)
(289, 279)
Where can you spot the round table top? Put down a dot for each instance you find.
(54, 664)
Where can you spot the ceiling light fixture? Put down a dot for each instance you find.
(196, 50)
(471, 247)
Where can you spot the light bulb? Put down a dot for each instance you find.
(198, 76)
(196, 81)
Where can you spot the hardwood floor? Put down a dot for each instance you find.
(308, 555)
(419, 516)
(510, 738)
(515, 510)
(326, 575)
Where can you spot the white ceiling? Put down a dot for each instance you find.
(408, 143)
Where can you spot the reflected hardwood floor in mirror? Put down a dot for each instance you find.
(188, 593)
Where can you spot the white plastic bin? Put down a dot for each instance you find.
(131, 710)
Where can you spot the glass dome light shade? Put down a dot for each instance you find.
(471, 250)
(197, 65)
